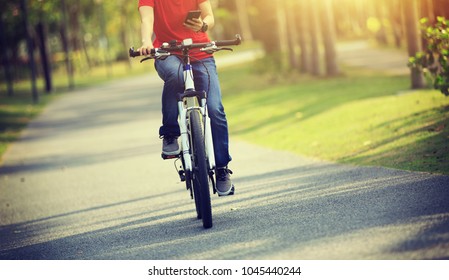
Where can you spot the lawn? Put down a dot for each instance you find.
(361, 118)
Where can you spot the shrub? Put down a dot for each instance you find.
(434, 59)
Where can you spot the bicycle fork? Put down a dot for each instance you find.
(188, 101)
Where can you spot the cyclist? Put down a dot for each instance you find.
(165, 20)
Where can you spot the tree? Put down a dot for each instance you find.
(30, 50)
(436, 57)
(380, 13)
(243, 18)
(268, 31)
(45, 60)
(414, 46)
(292, 33)
(313, 26)
(329, 38)
(5, 58)
(66, 46)
(395, 17)
(303, 38)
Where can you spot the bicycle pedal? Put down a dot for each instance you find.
(182, 175)
(164, 156)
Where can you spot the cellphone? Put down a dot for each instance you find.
(193, 14)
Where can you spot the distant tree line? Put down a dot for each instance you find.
(75, 36)
(63, 34)
(302, 34)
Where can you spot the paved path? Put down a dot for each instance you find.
(361, 54)
(86, 181)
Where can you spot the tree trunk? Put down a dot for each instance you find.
(292, 37)
(5, 60)
(441, 8)
(242, 12)
(86, 55)
(396, 21)
(30, 51)
(329, 38)
(380, 15)
(427, 10)
(41, 34)
(314, 43)
(270, 36)
(302, 23)
(66, 45)
(413, 39)
(104, 40)
(282, 27)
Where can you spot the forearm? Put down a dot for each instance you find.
(207, 14)
(209, 19)
(146, 24)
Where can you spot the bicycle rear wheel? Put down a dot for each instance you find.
(200, 175)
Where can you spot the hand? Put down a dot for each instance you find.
(145, 49)
(194, 24)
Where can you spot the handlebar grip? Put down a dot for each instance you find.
(134, 53)
(235, 42)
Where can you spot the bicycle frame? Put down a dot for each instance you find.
(197, 149)
(187, 102)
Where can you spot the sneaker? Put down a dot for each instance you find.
(170, 146)
(224, 184)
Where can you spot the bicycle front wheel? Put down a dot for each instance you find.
(201, 190)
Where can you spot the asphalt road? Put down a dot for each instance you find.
(86, 181)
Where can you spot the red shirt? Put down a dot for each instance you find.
(169, 16)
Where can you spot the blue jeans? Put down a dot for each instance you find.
(170, 70)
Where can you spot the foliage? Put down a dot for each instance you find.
(95, 29)
(98, 32)
(435, 59)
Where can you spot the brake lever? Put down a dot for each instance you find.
(226, 49)
(160, 54)
(216, 49)
(146, 58)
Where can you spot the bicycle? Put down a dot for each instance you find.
(197, 149)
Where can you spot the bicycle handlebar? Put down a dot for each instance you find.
(223, 43)
(180, 47)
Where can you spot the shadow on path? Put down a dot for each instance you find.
(410, 210)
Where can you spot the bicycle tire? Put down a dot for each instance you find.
(196, 197)
(200, 175)
(190, 176)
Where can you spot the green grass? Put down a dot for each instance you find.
(362, 118)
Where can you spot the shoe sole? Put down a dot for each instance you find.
(230, 192)
(175, 153)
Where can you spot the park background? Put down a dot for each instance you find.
(297, 95)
